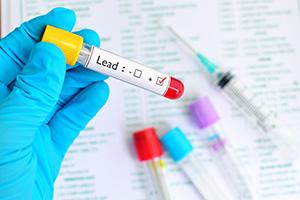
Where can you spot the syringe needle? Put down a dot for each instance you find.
(208, 65)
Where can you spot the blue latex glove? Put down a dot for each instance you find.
(43, 107)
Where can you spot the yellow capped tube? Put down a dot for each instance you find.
(110, 64)
(69, 43)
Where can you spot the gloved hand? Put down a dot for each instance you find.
(43, 106)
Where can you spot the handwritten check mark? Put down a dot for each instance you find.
(162, 80)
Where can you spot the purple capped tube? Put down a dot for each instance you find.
(208, 120)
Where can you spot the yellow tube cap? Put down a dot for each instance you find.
(69, 43)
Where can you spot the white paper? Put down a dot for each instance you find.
(258, 39)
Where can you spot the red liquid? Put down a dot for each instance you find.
(175, 90)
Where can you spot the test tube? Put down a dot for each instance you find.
(113, 65)
(149, 151)
(181, 151)
(208, 121)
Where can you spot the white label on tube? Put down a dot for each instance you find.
(126, 70)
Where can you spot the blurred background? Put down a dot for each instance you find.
(259, 40)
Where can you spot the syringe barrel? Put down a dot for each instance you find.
(113, 65)
(250, 104)
(259, 113)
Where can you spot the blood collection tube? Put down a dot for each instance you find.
(208, 120)
(181, 151)
(113, 65)
(149, 151)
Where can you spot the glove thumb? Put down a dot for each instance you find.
(34, 95)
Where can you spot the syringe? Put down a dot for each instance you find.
(251, 105)
(182, 152)
(207, 119)
(110, 64)
(149, 151)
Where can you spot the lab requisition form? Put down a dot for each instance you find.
(258, 39)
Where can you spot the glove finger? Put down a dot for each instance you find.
(34, 95)
(15, 48)
(77, 79)
(71, 119)
(4, 91)
(80, 77)
(89, 36)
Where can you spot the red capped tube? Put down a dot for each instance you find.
(149, 150)
(147, 144)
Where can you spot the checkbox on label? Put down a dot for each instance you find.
(160, 81)
(137, 73)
